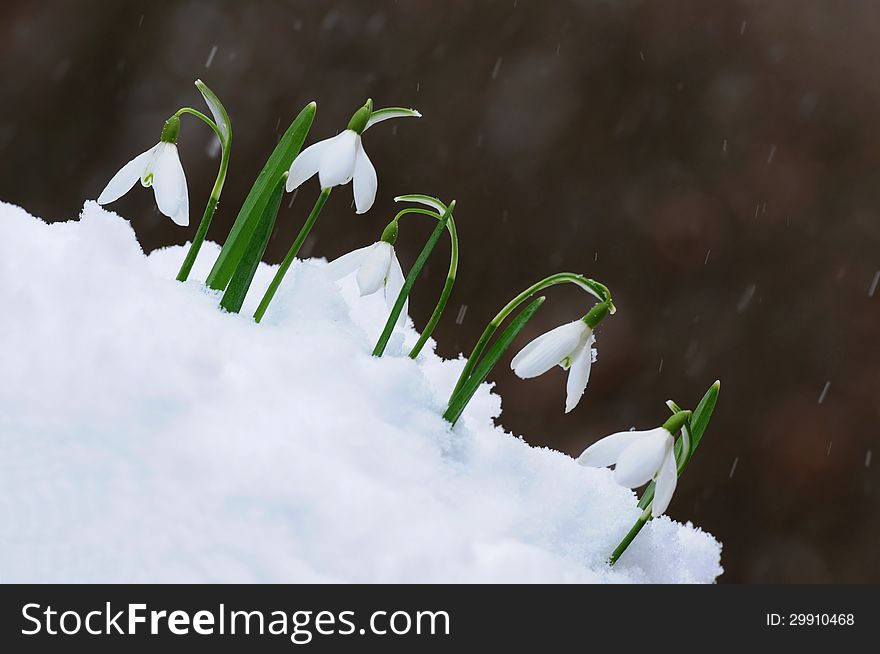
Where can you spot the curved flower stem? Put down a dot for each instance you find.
(595, 288)
(410, 280)
(213, 200)
(203, 117)
(631, 534)
(450, 276)
(291, 254)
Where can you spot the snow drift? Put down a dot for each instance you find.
(146, 436)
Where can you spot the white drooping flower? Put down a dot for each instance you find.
(639, 457)
(342, 158)
(377, 269)
(160, 168)
(569, 346)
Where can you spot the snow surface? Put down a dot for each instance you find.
(146, 436)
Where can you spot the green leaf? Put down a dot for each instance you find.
(243, 276)
(221, 118)
(391, 112)
(410, 280)
(255, 202)
(460, 399)
(701, 416)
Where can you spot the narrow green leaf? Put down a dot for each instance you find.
(221, 118)
(243, 276)
(255, 203)
(702, 415)
(411, 277)
(460, 400)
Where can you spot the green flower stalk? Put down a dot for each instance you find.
(291, 254)
(568, 346)
(223, 128)
(398, 311)
(337, 161)
(439, 210)
(654, 456)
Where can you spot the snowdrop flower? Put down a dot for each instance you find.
(377, 268)
(639, 457)
(569, 346)
(160, 168)
(341, 159)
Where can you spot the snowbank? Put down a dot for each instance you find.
(145, 436)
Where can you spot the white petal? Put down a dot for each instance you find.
(587, 339)
(578, 376)
(667, 478)
(365, 181)
(548, 350)
(305, 164)
(374, 268)
(638, 463)
(169, 184)
(347, 263)
(392, 289)
(127, 176)
(606, 451)
(337, 160)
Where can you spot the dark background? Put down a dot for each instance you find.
(716, 164)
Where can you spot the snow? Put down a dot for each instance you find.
(146, 436)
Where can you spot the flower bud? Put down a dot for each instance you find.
(359, 120)
(170, 130)
(389, 234)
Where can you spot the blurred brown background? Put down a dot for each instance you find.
(716, 164)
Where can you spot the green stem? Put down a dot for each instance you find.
(636, 528)
(213, 200)
(291, 254)
(589, 285)
(411, 277)
(450, 277)
(198, 114)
